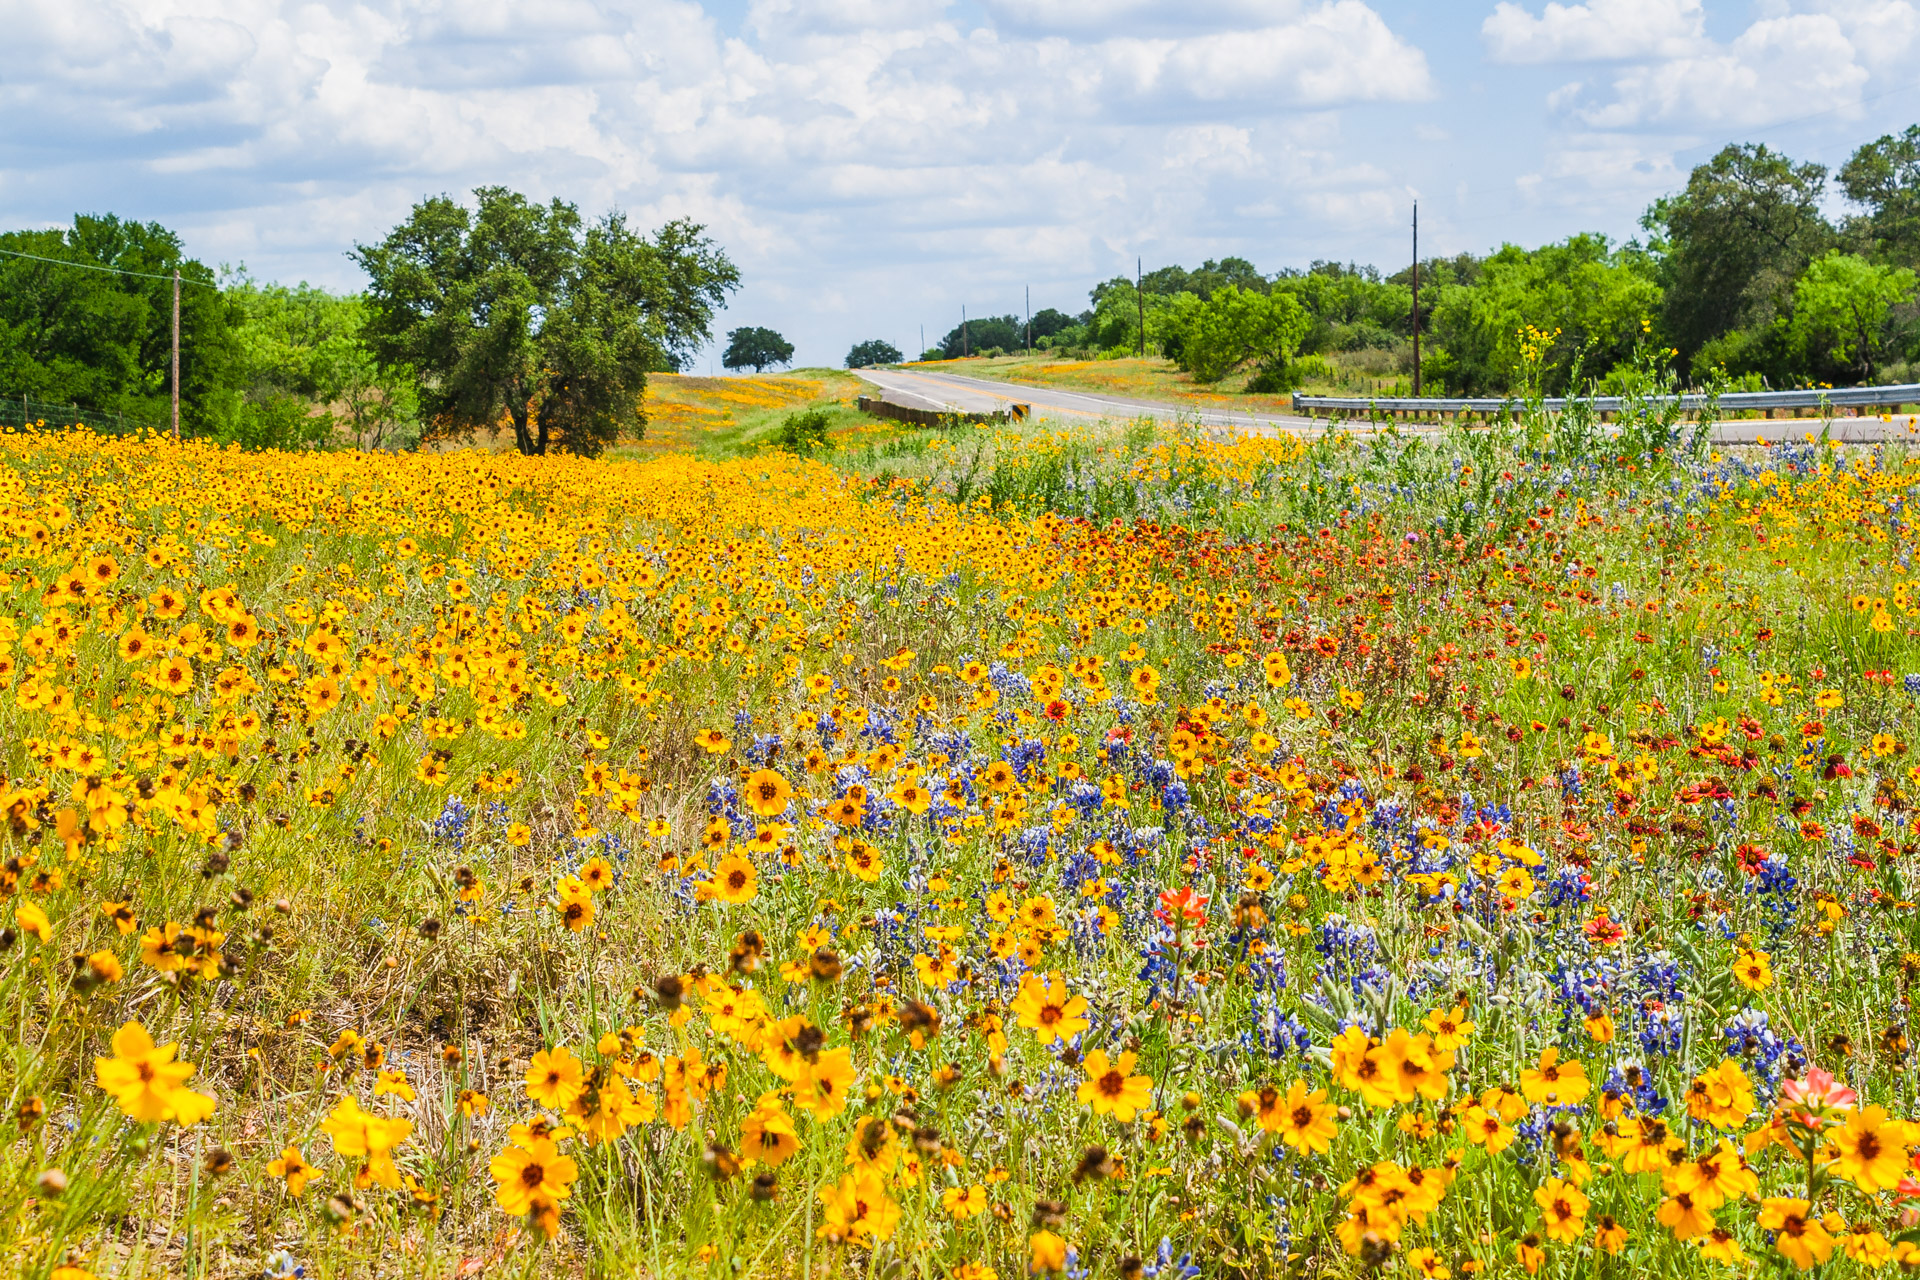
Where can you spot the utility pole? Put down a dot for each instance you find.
(923, 343)
(1029, 319)
(966, 344)
(1139, 283)
(176, 353)
(1416, 297)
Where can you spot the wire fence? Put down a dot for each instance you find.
(23, 411)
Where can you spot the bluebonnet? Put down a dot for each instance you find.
(451, 826)
(1164, 1262)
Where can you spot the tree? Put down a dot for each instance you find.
(1883, 177)
(1731, 245)
(1047, 321)
(1840, 308)
(1598, 299)
(756, 348)
(104, 340)
(984, 333)
(517, 310)
(1351, 307)
(871, 352)
(1115, 325)
(303, 349)
(1236, 327)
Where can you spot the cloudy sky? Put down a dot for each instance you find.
(873, 165)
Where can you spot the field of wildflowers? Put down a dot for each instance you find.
(1487, 853)
(686, 413)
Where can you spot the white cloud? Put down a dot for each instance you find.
(1776, 69)
(1882, 32)
(824, 140)
(1597, 31)
(1796, 56)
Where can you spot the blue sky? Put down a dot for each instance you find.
(873, 165)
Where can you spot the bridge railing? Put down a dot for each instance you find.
(1842, 401)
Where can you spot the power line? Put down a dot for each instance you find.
(94, 266)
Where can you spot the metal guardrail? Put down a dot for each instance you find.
(1889, 397)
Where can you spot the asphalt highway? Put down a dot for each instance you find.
(953, 392)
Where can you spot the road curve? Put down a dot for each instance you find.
(982, 395)
(924, 389)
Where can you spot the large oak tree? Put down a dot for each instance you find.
(519, 311)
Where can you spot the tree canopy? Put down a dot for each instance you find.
(1841, 305)
(521, 311)
(1729, 247)
(756, 348)
(984, 333)
(871, 352)
(1597, 298)
(75, 334)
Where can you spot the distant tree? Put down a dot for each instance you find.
(1236, 327)
(1883, 178)
(757, 349)
(304, 364)
(1841, 305)
(934, 353)
(982, 332)
(871, 352)
(1047, 322)
(104, 341)
(1115, 325)
(1351, 308)
(1599, 299)
(516, 310)
(1730, 246)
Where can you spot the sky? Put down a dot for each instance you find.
(873, 166)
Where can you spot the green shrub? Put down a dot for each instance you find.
(1281, 376)
(803, 432)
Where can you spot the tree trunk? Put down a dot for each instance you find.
(522, 437)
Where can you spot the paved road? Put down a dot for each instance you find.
(924, 389)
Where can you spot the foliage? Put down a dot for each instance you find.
(755, 348)
(303, 359)
(802, 432)
(1883, 178)
(1841, 305)
(865, 355)
(1351, 307)
(1596, 297)
(1201, 282)
(515, 310)
(1233, 328)
(103, 340)
(1730, 246)
(976, 335)
(1048, 323)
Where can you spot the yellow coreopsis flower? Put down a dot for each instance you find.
(1110, 1089)
(146, 1080)
(531, 1173)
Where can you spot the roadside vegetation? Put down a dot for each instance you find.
(1741, 274)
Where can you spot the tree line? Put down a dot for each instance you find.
(506, 315)
(1741, 273)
